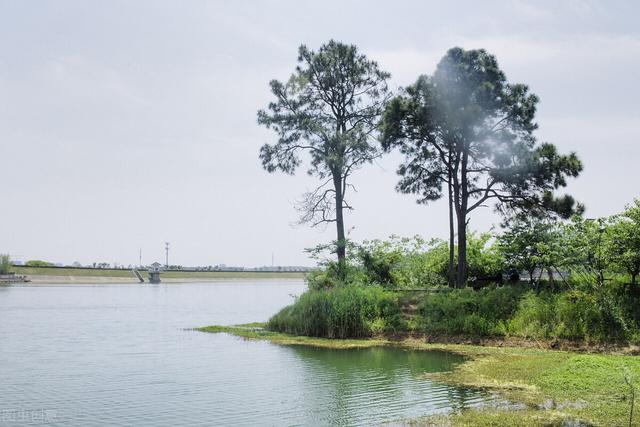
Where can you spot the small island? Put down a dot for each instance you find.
(544, 310)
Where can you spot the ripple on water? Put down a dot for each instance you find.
(120, 355)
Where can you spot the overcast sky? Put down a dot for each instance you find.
(127, 124)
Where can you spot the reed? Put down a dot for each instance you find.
(341, 312)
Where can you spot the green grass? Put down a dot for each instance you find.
(231, 275)
(126, 273)
(61, 271)
(586, 387)
(341, 312)
(256, 331)
(556, 386)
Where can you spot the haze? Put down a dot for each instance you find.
(127, 124)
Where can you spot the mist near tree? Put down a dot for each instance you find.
(468, 129)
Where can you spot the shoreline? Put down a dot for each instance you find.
(43, 280)
(543, 386)
(62, 275)
(257, 331)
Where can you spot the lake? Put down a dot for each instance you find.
(122, 355)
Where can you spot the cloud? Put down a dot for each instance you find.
(518, 51)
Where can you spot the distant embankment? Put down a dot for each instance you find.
(114, 275)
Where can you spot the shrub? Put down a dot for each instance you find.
(483, 255)
(5, 263)
(574, 315)
(340, 312)
(534, 318)
(465, 311)
(37, 263)
(402, 262)
(329, 276)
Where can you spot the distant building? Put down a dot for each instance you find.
(154, 272)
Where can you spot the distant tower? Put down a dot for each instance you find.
(140, 260)
(166, 248)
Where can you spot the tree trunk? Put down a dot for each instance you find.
(462, 250)
(633, 278)
(452, 277)
(531, 279)
(462, 202)
(341, 243)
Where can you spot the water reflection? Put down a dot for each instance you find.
(378, 384)
(120, 355)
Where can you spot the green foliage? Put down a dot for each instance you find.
(334, 274)
(483, 255)
(402, 262)
(593, 250)
(399, 262)
(465, 311)
(591, 259)
(534, 318)
(623, 242)
(340, 312)
(37, 263)
(585, 248)
(574, 315)
(334, 89)
(331, 273)
(468, 129)
(514, 311)
(5, 263)
(328, 108)
(531, 244)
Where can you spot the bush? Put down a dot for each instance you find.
(574, 315)
(414, 263)
(591, 303)
(465, 311)
(37, 263)
(402, 262)
(534, 318)
(329, 276)
(5, 263)
(340, 312)
(483, 255)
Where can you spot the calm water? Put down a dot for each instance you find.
(120, 355)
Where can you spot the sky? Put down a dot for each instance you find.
(127, 124)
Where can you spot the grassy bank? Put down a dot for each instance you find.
(120, 275)
(552, 386)
(595, 317)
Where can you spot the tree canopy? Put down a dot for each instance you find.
(468, 128)
(329, 108)
(624, 240)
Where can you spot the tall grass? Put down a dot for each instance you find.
(574, 315)
(594, 316)
(465, 311)
(342, 312)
